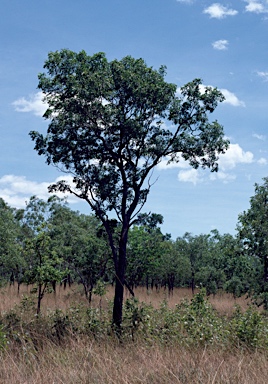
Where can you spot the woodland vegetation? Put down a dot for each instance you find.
(48, 243)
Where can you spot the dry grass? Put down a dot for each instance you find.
(82, 360)
(224, 303)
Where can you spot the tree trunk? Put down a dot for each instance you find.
(120, 269)
(147, 283)
(18, 290)
(39, 298)
(193, 282)
(118, 302)
(54, 284)
(171, 281)
(265, 269)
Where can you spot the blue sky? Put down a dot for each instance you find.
(223, 42)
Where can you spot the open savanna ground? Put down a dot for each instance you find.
(165, 339)
(223, 302)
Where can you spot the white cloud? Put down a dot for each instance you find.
(262, 161)
(230, 97)
(34, 104)
(181, 164)
(259, 137)
(256, 6)
(222, 176)
(218, 11)
(233, 156)
(263, 75)
(221, 45)
(191, 175)
(16, 190)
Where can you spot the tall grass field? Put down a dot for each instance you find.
(165, 339)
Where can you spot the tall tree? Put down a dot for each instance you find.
(107, 129)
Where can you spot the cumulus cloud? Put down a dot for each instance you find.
(262, 161)
(34, 104)
(233, 156)
(190, 175)
(221, 45)
(230, 97)
(263, 75)
(218, 11)
(222, 176)
(16, 190)
(257, 6)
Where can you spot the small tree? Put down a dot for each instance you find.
(85, 254)
(107, 130)
(145, 251)
(44, 264)
(41, 254)
(194, 248)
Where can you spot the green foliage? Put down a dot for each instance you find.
(260, 296)
(191, 324)
(146, 253)
(195, 323)
(253, 233)
(74, 247)
(235, 286)
(61, 325)
(100, 289)
(250, 328)
(134, 316)
(10, 249)
(201, 322)
(44, 263)
(211, 278)
(27, 304)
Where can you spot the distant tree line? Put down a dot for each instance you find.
(47, 244)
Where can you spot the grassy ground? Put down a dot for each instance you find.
(85, 361)
(81, 358)
(64, 298)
